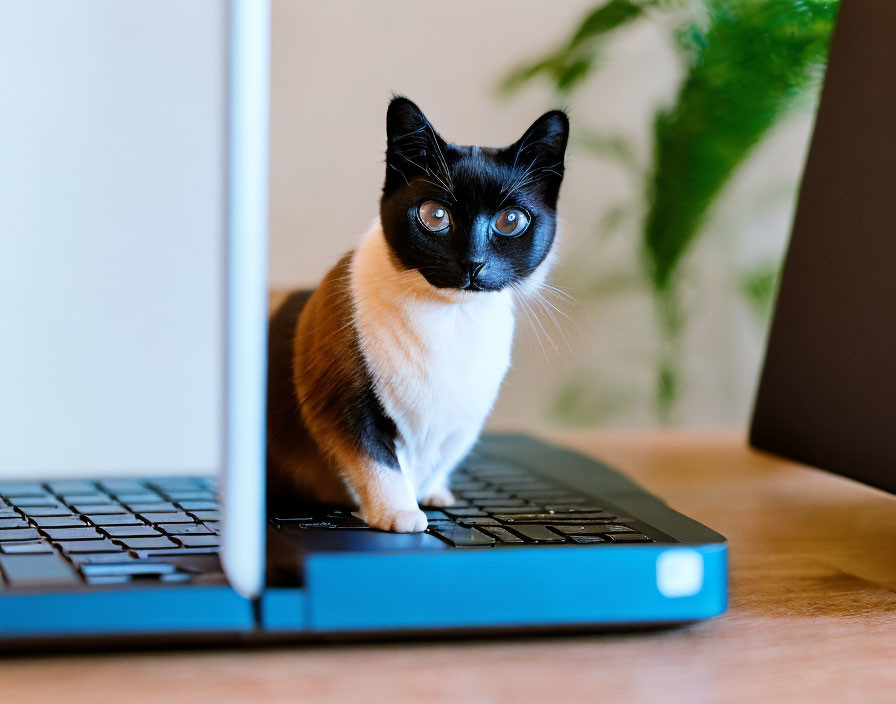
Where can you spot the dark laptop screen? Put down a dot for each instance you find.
(827, 395)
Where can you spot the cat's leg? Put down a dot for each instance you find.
(384, 494)
(435, 491)
(440, 495)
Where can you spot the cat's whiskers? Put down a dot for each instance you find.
(561, 294)
(541, 300)
(520, 298)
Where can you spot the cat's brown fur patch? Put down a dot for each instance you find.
(312, 343)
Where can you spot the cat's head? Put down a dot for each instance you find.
(470, 218)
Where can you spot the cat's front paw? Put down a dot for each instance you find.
(397, 521)
(440, 497)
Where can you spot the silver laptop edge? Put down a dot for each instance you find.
(242, 478)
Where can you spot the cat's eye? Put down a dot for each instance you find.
(433, 216)
(510, 222)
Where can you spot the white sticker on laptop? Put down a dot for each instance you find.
(679, 572)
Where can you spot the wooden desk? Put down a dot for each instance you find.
(812, 615)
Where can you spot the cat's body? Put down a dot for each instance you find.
(407, 335)
(381, 379)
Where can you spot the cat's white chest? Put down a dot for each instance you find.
(464, 354)
(436, 359)
(437, 369)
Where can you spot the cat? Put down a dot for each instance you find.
(381, 379)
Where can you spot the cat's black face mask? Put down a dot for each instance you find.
(470, 218)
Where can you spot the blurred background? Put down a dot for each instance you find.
(691, 120)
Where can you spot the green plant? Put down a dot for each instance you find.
(746, 64)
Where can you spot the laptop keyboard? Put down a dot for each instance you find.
(118, 531)
(502, 505)
(106, 532)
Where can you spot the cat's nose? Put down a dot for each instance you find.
(473, 268)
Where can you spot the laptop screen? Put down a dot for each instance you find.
(112, 247)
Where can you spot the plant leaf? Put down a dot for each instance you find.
(753, 59)
(605, 19)
(568, 66)
(759, 285)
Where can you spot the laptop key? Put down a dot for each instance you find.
(45, 500)
(504, 503)
(72, 486)
(538, 534)
(93, 498)
(58, 521)
(176, 517)
(460, 536)
(177, 552)
(557, 496)
(19, 534)
(502, 534)
(586, 539)
(206, 515)
(153, 507)
(575, 507)
(122, 486)
(75, 546)
(191, 496)
(628, 538)
(184, 528)
(199, 541)
(479, 521)
(592, 529)
(85, 533)
(146, 497)
(98, 509)
(540, 517)
(34, 570)
(147, 543)
(436, 515)
(140, 531)
(485, 495)
(198, 505)
(585, 517)
(25, 546)
(464, 512)
(13, 522)
(32, 511)
(508, 510)
(15, 489)
(122, 519)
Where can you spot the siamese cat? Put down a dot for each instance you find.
(381, 379)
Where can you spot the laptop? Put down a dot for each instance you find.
(132, 500)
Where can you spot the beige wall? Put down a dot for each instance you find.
(334, 67)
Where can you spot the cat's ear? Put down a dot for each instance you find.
(539, 153)
(544, 142)
(412, 145)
